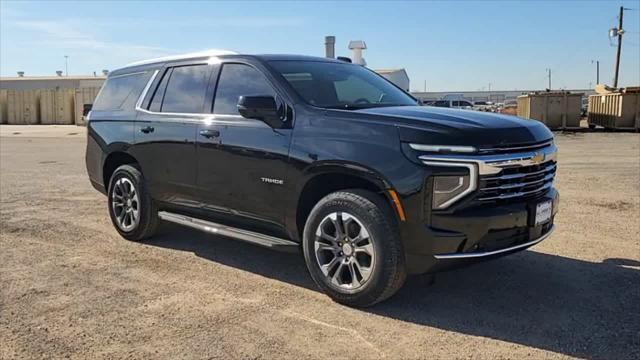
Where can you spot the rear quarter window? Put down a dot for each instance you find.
(121, 92)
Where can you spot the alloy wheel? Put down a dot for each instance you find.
(125, 204)
(344, 251)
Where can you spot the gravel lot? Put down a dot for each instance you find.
(71, 287)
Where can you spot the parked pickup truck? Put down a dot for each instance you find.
(321, 157)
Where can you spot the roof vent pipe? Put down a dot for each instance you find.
(20, 73)
(330, 47)
(59, 72)
(356, 47)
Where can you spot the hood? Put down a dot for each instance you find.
(443, 126)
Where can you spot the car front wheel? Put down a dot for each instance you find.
(352, 248)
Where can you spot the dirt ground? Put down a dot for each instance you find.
(71, 287)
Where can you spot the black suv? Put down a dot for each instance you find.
(296, 152)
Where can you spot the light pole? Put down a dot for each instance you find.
(597, 70)
(66, 64)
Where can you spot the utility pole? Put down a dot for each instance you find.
(549, 76)
(425, 85)
(66, 64)
(489, 87)
(597, 70)
(619, 31)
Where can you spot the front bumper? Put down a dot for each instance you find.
(477, 233)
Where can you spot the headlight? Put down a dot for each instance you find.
(447, 189)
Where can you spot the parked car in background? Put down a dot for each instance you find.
(320, 157)
(456, 104)
(484, 106)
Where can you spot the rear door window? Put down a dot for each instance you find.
(239, 80)
(121, 92)
(186, 89)
(156, 102)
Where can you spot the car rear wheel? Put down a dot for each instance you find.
(132, 210)
(352, 248)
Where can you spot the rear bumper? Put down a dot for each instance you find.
(476, 234)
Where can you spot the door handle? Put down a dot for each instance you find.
(148, 129)
(210, 133)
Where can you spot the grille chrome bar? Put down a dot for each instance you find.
(516, 194)
(521, 175)
(519, 185)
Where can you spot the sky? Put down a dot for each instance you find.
(454, 45)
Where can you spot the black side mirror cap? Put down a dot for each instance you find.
(262, 108)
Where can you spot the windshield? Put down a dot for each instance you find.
(340, 86)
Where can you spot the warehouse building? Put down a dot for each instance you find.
(26, 100)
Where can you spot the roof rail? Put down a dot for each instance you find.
(205, 53)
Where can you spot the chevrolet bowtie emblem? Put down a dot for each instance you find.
(537, 158)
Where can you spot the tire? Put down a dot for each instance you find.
(142, 221)
(377, 277)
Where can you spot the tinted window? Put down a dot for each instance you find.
(441, 103)
(465, 103)
(156, 102)
(239, 80)
(340, 85)
(186, 89)
(121, 92)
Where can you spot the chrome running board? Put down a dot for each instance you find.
(495, 252)
(228, 231)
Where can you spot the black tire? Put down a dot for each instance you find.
(388, 271)
(147, 219)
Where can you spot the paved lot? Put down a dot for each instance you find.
(70, 286)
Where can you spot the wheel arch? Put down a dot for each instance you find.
(112, 162)
(321, 180)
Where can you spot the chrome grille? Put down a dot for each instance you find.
(517, 182)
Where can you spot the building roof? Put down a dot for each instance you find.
(389, 71)
(73, 77)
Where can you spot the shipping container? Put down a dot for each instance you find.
(615, 110)
(3, 106)
(557, 110)
(22, 107)
(84, 101)
(56, 106)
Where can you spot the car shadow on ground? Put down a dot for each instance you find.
(564, 305)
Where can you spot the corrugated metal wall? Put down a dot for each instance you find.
(56, 106)
(22, 107)
(556, 110)
(3, 106)
(615, 111)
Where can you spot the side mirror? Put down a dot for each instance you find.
(261, 108)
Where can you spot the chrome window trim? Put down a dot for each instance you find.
(495, 252)
(473, 180)
(207, 118)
